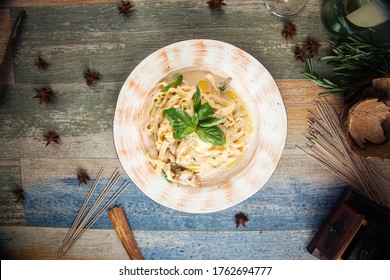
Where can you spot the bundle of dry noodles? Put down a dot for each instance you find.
(328, 145)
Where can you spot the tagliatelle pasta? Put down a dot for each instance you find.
(185, 161)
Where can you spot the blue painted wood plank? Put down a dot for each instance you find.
(279, 205)
(211, 245)
(42, 243)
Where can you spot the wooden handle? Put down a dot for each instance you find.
(122, 228)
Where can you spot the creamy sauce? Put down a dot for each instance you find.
(191, 158)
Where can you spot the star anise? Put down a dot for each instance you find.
(83, 177)
(41, 63)
(45, 94)
(125, 7)
(300, 54)
(241, 219)
(91, 77)
(19, 193)
(289, 30)
(52, 136)
(312, 46)
(216, 4)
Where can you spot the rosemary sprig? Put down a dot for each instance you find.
(354, 62)
(331, 87)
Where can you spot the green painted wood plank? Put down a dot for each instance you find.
(11, 210)
(82, 116)
(76, 108)
(30, 243)
(72, 37)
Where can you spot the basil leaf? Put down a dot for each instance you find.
(168, 86)
(210, 121)
(176, 81)
(205, 110)
(181, 133)
(197, 99)
(195, 119)
(201, 122)
(213, 135)
(178, 118)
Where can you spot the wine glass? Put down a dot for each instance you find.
(285, 8)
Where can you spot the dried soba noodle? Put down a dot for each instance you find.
(328, 145)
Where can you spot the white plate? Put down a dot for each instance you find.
(256, 87)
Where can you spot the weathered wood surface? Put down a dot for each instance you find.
(83, 117)
(71, 36)
(39, 3)
(11, 210)
(27, 242)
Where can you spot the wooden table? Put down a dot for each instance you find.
(72, 35)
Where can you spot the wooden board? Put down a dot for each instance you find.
(39, 3)
(71, 36)
(11, 210)
(98, 37)
(83, 118)
(285, 202)
(22, 242)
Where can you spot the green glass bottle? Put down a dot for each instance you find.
(347, 17)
